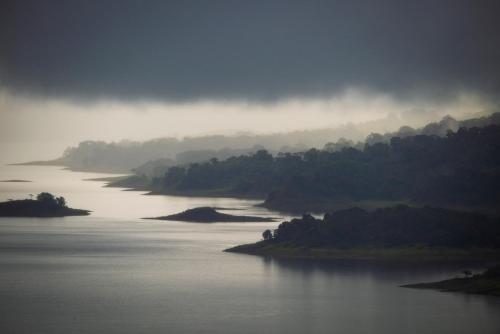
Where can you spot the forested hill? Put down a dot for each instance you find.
(154, 157)
(462, 168)
(395, 231)
(124, 156)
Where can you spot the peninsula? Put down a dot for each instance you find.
(487, 283)
(395, 232)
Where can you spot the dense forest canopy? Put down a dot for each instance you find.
(461, 168)
(399, 226)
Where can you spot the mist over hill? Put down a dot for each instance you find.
(123, 156)
(459, 169)
(154, 157)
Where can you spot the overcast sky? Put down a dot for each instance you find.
(71, 70)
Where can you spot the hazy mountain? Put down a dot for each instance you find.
(439, 129)
(153, 157)
(125, 155)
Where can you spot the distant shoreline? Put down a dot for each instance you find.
(294, 206)
(487, 283)
(61, 164)
(108, 179)
(39, 163)
(16, 181)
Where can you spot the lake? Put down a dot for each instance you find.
(113, 272)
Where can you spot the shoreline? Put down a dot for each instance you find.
(288, 206)
(487, 283)
(210, 215)
(264, 249)
(57, 163)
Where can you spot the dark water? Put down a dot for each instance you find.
(115, 273)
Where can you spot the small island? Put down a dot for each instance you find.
(210, 215)
(45, 205)
(487, 283)
(400, 232)
(15, 181)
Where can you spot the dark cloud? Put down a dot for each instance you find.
(185, 50)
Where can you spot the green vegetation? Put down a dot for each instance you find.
(210, 215)
(487, 283)
(399, 231)
(45, 205)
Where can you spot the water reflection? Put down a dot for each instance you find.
(381, 270)
(113, 272)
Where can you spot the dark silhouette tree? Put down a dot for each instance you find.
(46, 198)
(61, 201)
(267, 235)
(391, 227)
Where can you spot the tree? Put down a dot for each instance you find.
(61, 201)
(50, 200)
(47, 198)
(267, 235)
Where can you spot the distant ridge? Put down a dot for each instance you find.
(120, 157)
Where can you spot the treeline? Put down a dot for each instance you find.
(399, 226)
(460, 168)
(124, 156)
(158, 167)
(153, 157)
(439, 129)
(45, 205)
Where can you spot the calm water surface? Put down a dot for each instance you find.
(113, 272)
